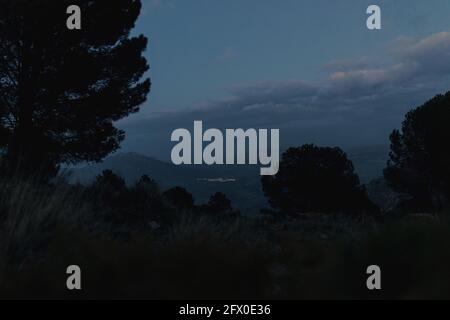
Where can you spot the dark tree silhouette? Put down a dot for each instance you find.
(146, 197)
(419, 162)
(62, 90)
(219, 204)
(122, 207)
(179, 198)
(315, 179)
(110, 189)
(147, 188)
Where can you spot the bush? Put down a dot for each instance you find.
(179, 198)
(220, 206)
(125, 209)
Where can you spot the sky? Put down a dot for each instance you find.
(310, 68)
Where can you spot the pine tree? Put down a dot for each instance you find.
(62, 90)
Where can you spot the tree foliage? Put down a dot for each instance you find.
(179, 198)
(220, 205)
(419, 162)
(127, 207)
(61, 90)
(316, 179)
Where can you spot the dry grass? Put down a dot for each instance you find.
(30, 213)
(200, 257)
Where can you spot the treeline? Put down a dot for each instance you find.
(144, 205)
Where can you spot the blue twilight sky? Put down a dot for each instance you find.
(308, 67)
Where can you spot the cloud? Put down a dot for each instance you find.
(347, 65)
(430, 55)
(356, 105)
(414, 61)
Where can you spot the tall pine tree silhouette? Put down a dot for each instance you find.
(62, 90)
(419, 164)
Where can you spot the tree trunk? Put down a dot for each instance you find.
(20, 148)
